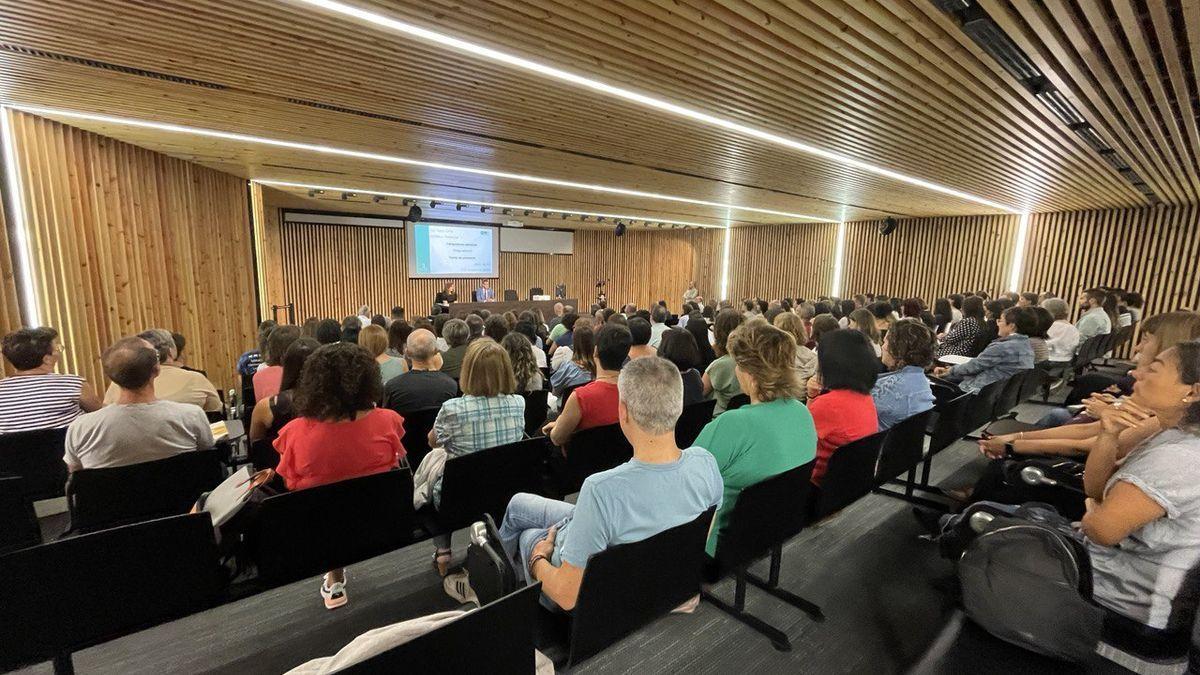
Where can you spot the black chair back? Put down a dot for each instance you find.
(510, 295)
(849, 475)
(661, 572)
(1034, 379)
(594, 450)
(949, 422)
(307, 532)
(102, 498)
(766, 515)
(36, 456)
(1010, 394)
(262, 454)
(497, 638)
(738, 401)
(1089, 351)
(484, 481)
(81, 591)
(903, 447)
(1122, 336)
(566, 395)
(692, 422)
(18, 522)
(417, 424)
(536, 411)
(983, 406)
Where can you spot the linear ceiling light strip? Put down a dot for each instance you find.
(636, 97)
(395, 159)
(496, 205)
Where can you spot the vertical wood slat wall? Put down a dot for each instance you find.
(125, 239)
(10, 312)
(329, 270)
(781, 261)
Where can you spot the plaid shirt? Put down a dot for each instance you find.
(471, 423)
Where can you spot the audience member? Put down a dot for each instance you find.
(679, 347)
(397, 334)
(561, 354)
(581, 367)
(496, 327)
(488, 414)
(475, 324)
(563, 326)
(424, 385)
(1094, 320)
(374, 339)
(1134, 304)
(640, 331)
(904, 390)
(526, 374)
(173, 383)
(701, 331)
(965, 334)
(844, 411)
(267, 379)
(529, 331)
(658, 324)
(338, 433)
(594, 404)
(806, 359)
(351, 326)
(863, 321)
(884, 315)
(1062, 337)
(822, 324)
(660, 488)
(943, 316)
(308, 329)
(1038, 341)
(248, 363)
(137, 427)
(34, 396)
(397, 314)
(329, 331)
(180, 360)
(719, 378)
(1003, 358)
(458, 335)
(774, 433)
(558, 316)
(273, 413)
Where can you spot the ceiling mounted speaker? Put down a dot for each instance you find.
(620, 229)
(888, 226)
(414, 214)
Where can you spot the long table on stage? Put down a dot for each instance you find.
(547, 306)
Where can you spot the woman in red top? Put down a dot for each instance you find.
(844, 412)
(338, 433)
(595, 403)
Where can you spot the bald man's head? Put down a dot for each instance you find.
(421, 345)
(130, 362)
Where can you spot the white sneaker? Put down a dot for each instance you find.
(458, 587)
(335, 594)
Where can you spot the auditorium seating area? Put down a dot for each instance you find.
(819, 336)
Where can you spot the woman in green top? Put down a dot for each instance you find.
(718, 377)
(772, 434)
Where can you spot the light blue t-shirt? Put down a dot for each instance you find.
(635, 501)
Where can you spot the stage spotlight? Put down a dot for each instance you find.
(408, 202)
(414, 214)
(583, 218)
(599, 219)
(483, 209)
(312, 193)
(433, 204)
(348, 195)
(620, 229)
(545, 214)
(507, 212)
(380, 198)
(527, 213)
(564, 216)
(458, 207)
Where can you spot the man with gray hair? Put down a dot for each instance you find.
(137, 426)
(173, 383)
(424, 385)
(457, 334)
(660, 488)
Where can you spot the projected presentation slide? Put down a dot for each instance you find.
(452, 251)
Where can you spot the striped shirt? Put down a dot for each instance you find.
(31, 402)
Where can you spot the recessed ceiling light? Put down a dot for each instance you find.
(546, 210)
(407, 161)
(636, 97)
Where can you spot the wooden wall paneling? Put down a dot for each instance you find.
(778, 261)
(930, 257)
(125, 239)
(10, 310)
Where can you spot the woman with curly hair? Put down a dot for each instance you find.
(904, 390)
(338, 433)
(775, 432)
(525, 369)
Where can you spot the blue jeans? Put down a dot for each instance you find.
(1055, 418)
(527, 520)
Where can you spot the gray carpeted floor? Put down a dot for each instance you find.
(875, 580)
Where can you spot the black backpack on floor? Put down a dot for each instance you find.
(1030, 584)
(491, 574)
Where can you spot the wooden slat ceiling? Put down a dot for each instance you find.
(892, 82)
